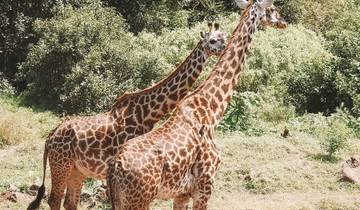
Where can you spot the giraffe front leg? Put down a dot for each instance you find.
(181, 202)
(74, 185)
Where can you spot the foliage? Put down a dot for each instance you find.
(338, 22)
(85, 72)
(239, 112)
(78, 55)
(16, 32)
(85, 58)
(5, 87)
(346, 45)
(335, 137)
(286, 61)
(151, 16)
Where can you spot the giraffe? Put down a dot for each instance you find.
(179, 159)
(81, 147)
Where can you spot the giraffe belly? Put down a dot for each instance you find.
(92, 168)
(174, 186)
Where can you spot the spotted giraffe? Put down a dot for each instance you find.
(81, 147)
(179, 159)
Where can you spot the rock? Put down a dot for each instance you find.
(10, 196)
(273, 130)
(351, 169)
(101, 194)
(92, 204)
(247, 178)
(23, 197)
(85, 197)
(13, 188)
(33, 189)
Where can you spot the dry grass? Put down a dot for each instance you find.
(19, 124)
(265, 173)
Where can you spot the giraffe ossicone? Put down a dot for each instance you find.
(179, 159)
(81, 147)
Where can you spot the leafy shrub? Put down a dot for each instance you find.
(352, 122)
(6, 89)
(240, 111)
(275, 112)
(320, 16)
(151, 16)
(287, 61)
(335, 137)
(313, 88)
(338, 21)
(16, 32)
(84, 58)
(346, 44)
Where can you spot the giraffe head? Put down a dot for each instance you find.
(214, 41)
(267, 13)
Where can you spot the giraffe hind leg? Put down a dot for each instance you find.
(181, 202)
(73, 189)
(60, 171)
(202, 195)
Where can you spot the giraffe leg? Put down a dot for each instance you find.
(202, 196)
(73, 190)
(181, 202)
(141, 207)
(59, 175)
(133, 207)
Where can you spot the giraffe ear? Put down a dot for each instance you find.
(202, 35)
(266, 3)
(210, 25)
(216, 25)
(242, 3)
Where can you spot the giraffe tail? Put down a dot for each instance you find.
(114, 193)
(36, 203)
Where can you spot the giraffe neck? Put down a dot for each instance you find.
(148, 106)
(218, 88)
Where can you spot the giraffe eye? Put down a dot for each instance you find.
(212, 41)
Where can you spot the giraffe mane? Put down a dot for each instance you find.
(244, 14)
(127, 95)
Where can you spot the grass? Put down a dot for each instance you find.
(18, 123)
(262, 172)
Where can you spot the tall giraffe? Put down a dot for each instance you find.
(179, 159)
(81, 147)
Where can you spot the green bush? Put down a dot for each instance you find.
(239, 113)
(296, 66)
(84, 59)
(335, 137)
(5, 87)
(338, 22)
(151, 16)
(320, 16)
(346, 44)
(313, 88)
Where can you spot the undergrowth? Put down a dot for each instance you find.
(18, 124)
